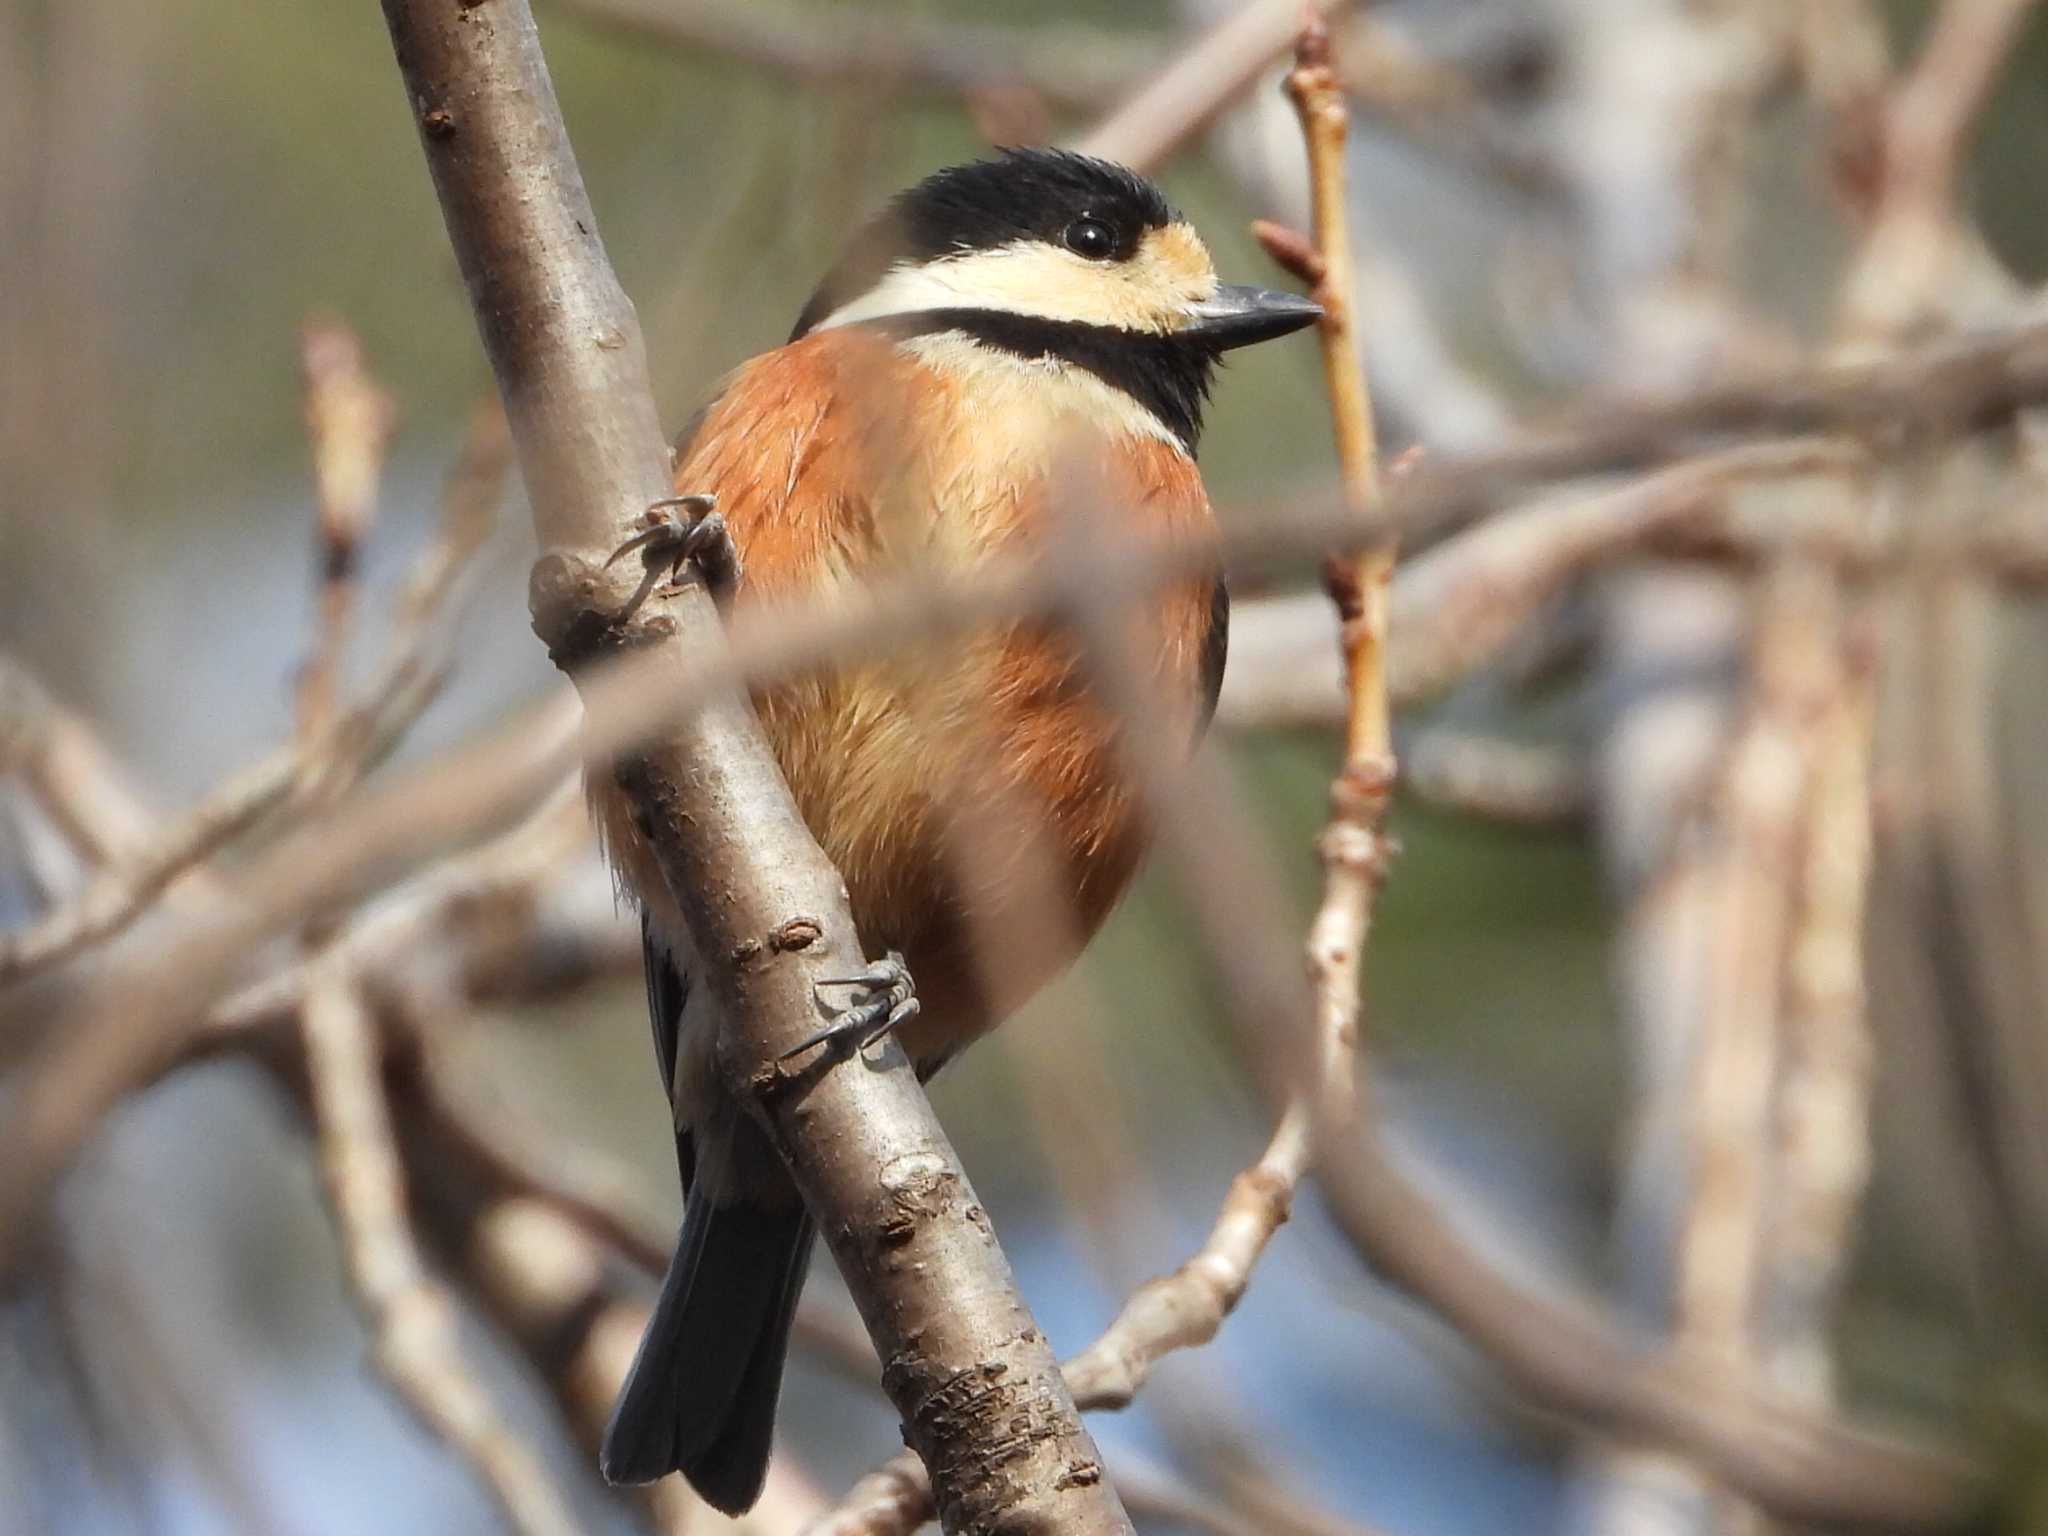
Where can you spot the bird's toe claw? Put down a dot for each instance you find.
(685, 530)
(884, 999)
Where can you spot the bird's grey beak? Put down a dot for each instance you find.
(1240, 315)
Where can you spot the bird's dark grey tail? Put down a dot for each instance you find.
(700, 1399)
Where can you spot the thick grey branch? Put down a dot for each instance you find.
(978, 1387)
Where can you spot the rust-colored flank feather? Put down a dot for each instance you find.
(848, 453)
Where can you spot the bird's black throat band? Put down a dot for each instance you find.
(1168, 375)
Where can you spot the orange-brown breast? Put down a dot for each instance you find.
(958, 787)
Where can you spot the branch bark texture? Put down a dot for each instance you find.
(978, 1387)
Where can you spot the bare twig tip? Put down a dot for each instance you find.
(1312, 44)
(1407, 461)
(1292, 251)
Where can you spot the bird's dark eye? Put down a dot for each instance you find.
(1091, 238)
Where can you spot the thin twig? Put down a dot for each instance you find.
(151, 858)
(410, 1316)
(430, 600)
(68, 770)
(123, 1032)
(1823, 1115)
(1458, 605)
(1437, 108)
(349, 420)
(1934, 108)
(1906, 267)
(1185, 1309)
(123, 1029)
(119, 893)
(1751, 877)
(1494, 777)
(1179, 101)
(1353, 845)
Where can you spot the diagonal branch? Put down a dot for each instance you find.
(977, 1384)
(329, 750)
(65, 767)
(124, 1027)
(411, 1316)
(119, 892)
(119, 1031)
(1918, 259)
(1191, 92)
(1935, 107)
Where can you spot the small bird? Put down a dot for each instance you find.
(1004, 332)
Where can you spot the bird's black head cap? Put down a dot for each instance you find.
(1053, 195)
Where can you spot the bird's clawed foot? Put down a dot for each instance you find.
(686, 530)
(884, 999)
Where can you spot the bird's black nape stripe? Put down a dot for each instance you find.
(1167, 375)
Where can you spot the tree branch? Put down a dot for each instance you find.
(1911, 263)
(1353, 846)
(349, 420)
(1822, 1122)
(977, 1385)
(329, 750)
(118, 892)
(411, 1318)
(1182, 99)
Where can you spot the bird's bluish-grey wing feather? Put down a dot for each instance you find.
(668, 989)
(700, 1396)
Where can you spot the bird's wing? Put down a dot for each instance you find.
(668, 992)
(757, 444)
